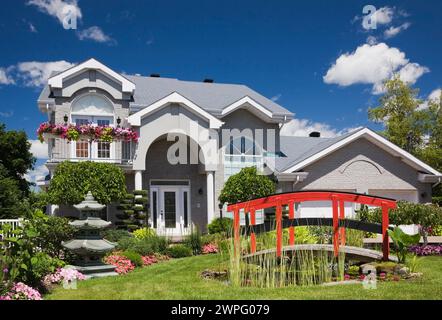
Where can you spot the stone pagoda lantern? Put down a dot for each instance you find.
(88, 245)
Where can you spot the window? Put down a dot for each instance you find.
(103, 123)
(186, 214)
(81, 121)
(103, 149)
(82, 149)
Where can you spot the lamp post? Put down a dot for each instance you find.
(220, 206)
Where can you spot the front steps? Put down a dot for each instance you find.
(98, 271)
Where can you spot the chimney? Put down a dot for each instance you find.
(155, 75)
(315, 134)
(208, 80)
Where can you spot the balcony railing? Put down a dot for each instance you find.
(121, 152)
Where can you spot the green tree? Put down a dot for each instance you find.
(405, 123)
(246, 185)
(11, 204)
(15, 156)
(72, 181)
(432, 152)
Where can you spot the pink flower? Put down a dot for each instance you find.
(210, 248)
(149, 260)
(122, 265)
(346, 277)
(21, 291)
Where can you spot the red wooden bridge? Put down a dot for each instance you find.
(338, 222)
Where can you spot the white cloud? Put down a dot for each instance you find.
(372, 64)
(36, 74)
(39, 173)
(394, 31)
(57, 8)
(38, 149)
(32, 28)
(5, 78)
(95, 34)
(303, 127)
(6, 114)
(434, 95)
(411, 72)
(276, 97)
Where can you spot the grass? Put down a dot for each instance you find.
(180, 279)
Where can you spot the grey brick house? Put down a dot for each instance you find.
(165, 110)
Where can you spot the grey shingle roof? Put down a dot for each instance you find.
(213, 97)
(298, 149)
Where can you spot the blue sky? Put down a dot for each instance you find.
(315, 58)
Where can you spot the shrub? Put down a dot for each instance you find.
(193, 241)
(51, 231)
(134, 257)
(115, 235)
(220, 225)
(147, 246)
(246, 185)
(144, 233)
(212, 238)
(179, 251)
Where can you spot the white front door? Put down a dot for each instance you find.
(171, 210)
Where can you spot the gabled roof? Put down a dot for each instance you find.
(303, 151)
(135, 119)
(56, 81)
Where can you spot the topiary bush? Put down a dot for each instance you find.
(220, 225)
(144, 233)
(73, 180)
(179, 251)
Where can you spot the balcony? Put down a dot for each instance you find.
(117, 152)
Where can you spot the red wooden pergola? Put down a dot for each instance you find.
(338, 200)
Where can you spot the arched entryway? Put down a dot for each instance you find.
(178, 192)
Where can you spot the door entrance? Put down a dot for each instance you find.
(170, 208)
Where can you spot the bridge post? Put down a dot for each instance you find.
(278, 228)
(292, 229)
(335, 226)
(385, 238)
(342, 217)
(236, 230)
(252, 234)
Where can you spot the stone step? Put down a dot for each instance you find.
(105, 268)
(100, 275)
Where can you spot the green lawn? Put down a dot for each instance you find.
(180, 279)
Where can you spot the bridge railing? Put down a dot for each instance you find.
(338, 221)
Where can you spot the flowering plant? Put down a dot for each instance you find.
(428, 250)
(122, 264)
(73, 133)
(64, 274)
(20, 291)
(149, 260)
(210, 248)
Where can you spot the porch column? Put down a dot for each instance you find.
(210, 197)
(138, 180)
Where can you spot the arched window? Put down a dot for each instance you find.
(96, 110)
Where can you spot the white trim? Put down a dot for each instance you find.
(135, 119)
(244, 102)
(373, 137)
(57, 80)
